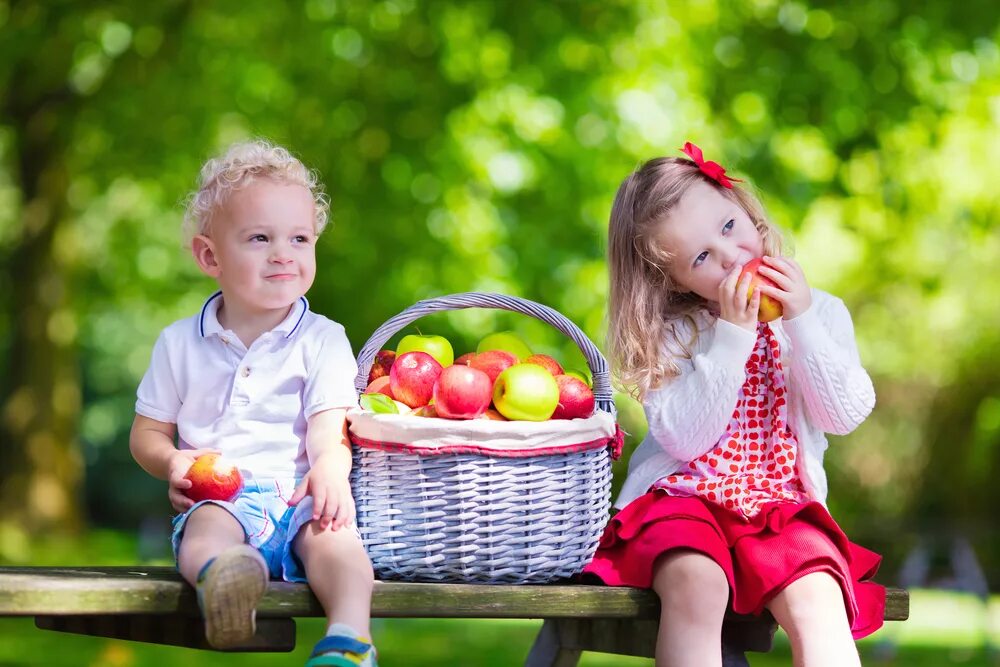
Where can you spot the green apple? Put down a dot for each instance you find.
(526, 392)
(507, 341)
(436, 346)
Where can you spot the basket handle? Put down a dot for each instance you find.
(595, 360)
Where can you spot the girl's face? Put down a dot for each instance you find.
(708, 236)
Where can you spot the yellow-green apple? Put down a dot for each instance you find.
(465, 359)
(575, 398)
(770, 308)
(584, 375)
(436, 346)
(379, 386)
(412, 378)
(526, 392)
(546, 362)
(505, 340)
(381, 364)
(493, 362)
(213, 478)
(462, 392)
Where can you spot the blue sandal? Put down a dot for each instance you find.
(342, 651)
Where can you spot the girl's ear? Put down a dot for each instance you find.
(203, 250)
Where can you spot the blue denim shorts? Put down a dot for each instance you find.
(269, 524)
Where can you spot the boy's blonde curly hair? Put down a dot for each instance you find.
(240, 165)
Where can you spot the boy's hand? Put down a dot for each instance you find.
(734, 307)
(333, 504)
(180, 461)
(792, 289)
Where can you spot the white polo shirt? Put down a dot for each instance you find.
(250, 404)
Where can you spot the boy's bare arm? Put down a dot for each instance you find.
(152, 445)
(329, 451)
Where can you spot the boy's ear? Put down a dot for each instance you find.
(203, 250)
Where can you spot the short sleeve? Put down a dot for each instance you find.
(157, 396)
(330, 381)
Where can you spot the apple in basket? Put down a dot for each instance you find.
(575, 398)
(493, 362)
(770, 308)
(462, 392)
(465, 359)
(381, 365)
(436, 346)
(526, 392)
(505, 340)
(380, 386)
(412, 378)
(213, 478)
(546, 362)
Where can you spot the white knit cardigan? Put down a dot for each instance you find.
(829, 392)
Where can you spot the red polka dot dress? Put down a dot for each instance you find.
(743, 505)
(754, 462)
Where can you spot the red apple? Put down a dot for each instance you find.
(770, 309)
(493, 415)
(526, 392)
(425, 411)
(462, 392)
(379, 386)
(546, 362)
(213, 478)
(381, 365)
(465, 359)
(412, 378)
(575, 398)
(493, 362)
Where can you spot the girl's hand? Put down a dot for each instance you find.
(333, 504)
(792, 289)
(180, 461)
(734, 306)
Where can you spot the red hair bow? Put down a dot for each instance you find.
(711, 169)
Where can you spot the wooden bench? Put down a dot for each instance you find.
(153, 604)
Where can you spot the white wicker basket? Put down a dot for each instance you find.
(483, 518)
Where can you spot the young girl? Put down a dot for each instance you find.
(724, 501)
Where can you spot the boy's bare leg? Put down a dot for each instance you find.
(339, 574)
(234, 582)
(208, 532)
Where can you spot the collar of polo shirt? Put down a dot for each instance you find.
(208, 323)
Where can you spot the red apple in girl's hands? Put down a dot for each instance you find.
(770, 308)
(213, 478)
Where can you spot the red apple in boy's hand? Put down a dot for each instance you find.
(381, 365)
(213, 478)
(575, 398)
(770, 308)
(493, 362)
(462, 392)
(546, 362)
(412, 378)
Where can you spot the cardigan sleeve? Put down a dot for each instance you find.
(689, 413)
(837, 391)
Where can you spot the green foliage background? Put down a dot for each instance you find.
(477, 146)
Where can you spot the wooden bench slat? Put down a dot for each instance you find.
(37, 591)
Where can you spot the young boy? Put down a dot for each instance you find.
(262, 380)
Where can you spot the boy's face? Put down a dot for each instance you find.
(708, 235)
(262, 246)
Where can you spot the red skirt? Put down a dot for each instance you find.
(760, 557)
